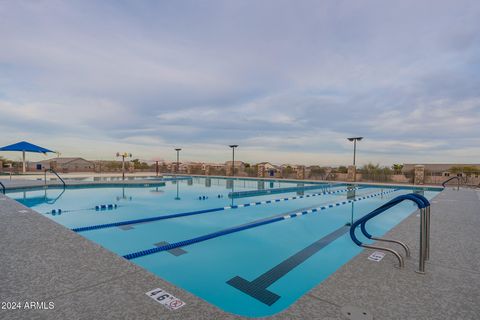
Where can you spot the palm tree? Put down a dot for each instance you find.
(397, 168)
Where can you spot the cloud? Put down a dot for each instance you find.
(289, 84)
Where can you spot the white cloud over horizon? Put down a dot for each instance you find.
(288, 81)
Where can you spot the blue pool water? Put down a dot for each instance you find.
(218, 269)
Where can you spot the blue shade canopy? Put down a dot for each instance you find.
(25, 146)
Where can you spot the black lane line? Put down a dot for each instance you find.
(258, 287)
(175, 251)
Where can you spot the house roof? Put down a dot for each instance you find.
(438, 167)
(237, 163)
(214, 164)
(63, 160)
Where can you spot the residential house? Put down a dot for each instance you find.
(63, 165)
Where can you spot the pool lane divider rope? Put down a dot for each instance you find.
(253, 193)
(101, 207)
(191, 213)
(224, 232)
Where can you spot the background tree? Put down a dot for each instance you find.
(341, 169)
(137, 164)
(397, 168)
(317, 172)
(374, 172)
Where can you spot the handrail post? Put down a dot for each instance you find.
(427, 233)
(421, 258)
(403, 245)
(54, 172)
(401, 263)
(424, 205)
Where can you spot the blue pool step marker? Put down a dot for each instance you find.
(105, 207)
(102, 207)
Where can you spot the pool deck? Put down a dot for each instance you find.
(41, 260)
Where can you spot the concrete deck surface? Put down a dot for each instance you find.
(41, 260)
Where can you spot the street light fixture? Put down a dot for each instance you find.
(124, 155)
(354, 139)
(233, 146)
(178, 163)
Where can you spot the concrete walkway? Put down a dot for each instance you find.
(41, 260)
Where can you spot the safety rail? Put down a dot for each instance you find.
(450, 179)
(424, 205)
(55, 173)
(3, 188)
(53, 201)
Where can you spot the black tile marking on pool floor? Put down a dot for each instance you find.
(175, 251)
(127, 227)
(258, 288)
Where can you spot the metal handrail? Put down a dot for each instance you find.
(450, 179)
(426, 203)
(3, 188)
(422, 203)
(54, 172)
(58, 197)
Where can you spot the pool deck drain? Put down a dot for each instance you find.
(44, 261)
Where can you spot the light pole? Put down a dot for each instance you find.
(177, 197)
(124, 155)
(178, 163)
(233, 146)
(354, 139)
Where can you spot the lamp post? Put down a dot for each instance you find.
(124, 155)
(178, 163)
(233, 146)
(354, 139)
(177, 197)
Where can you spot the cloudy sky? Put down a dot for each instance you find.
(286, 80)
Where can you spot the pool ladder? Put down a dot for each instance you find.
(3, 188)
(55, 173)
(450, 179)
(424, 205)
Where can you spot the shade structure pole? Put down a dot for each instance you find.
(23, 163)
(233, 162)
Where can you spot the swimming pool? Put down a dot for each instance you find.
(230, 242)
